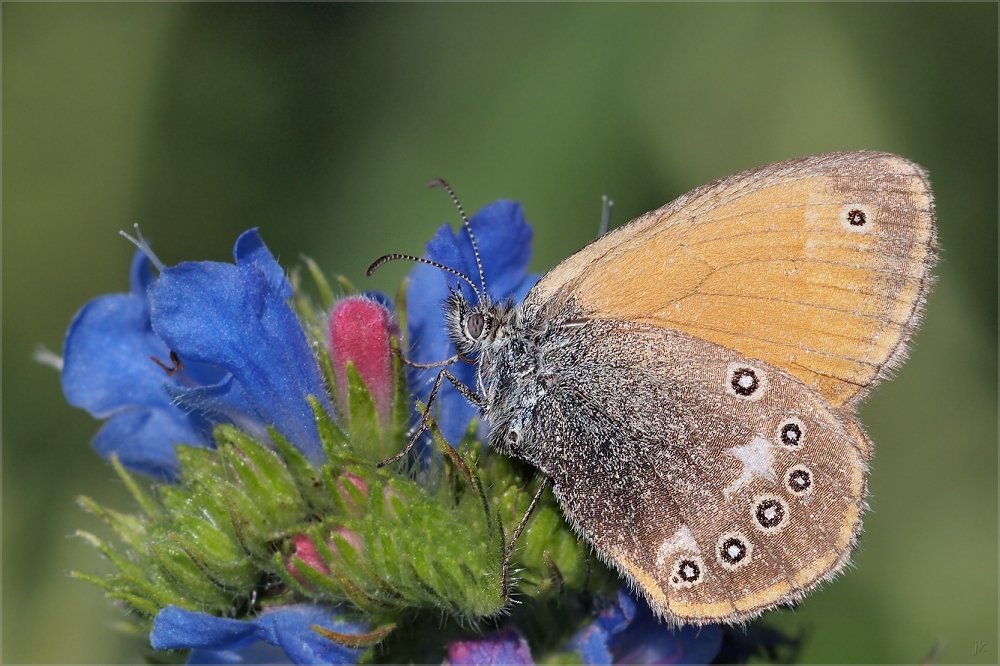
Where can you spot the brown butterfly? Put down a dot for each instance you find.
(689, 381)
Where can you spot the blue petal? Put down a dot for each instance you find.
(106, 357)
(258, 653)
(288, 627)
(178, 629)
(237, 317)
(140, 275)
(107, 370)
(594, 641)
(504, 240)
(506, 647)
(627, 632)
(222, 401)
(655, 644)
(145, 439)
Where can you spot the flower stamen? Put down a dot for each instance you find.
(143, 245)
(174, 359)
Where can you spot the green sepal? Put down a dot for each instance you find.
(263, 476)
(401, 395)
(322, 286)
(160, 591)
(335, 442)
(303, 305)
(346, 285)
(252, 524)
(102, 583)
(108, 552)
(280, 568)
(218, 557)
(198, 464)
(400, 311)
(547, 544)
(148, 504)
(130, 529)
(355, 641)
(340, 554)
(326, 366)
(186, 574)
(138, 602)
(307, 478)
(364, 430)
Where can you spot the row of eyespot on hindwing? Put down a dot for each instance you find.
(769, 512)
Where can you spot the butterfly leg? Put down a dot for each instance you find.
(425, 366)
(517, 533)
(425, 418)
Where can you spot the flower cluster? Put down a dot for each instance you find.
(257, 418)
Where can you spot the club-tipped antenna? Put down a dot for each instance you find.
(440, 182)
(420, 260)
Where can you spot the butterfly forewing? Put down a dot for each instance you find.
(818, 266)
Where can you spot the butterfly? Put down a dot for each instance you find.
(688, 383)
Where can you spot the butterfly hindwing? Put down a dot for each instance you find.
(716, 502)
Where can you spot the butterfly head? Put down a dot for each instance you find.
(476, 327)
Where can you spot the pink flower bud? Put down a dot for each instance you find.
(358, 483)
(359, 331)
(305, 550)
(351, 537)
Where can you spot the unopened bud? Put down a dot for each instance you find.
(359, 331)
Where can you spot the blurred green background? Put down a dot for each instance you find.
(322, 125)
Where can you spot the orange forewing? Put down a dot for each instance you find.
(764, 262)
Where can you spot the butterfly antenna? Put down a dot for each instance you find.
(420, 260)
(440, 182)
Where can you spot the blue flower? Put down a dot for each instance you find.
(505, 647)
(504, 240)
(279, 635)
(627, 632)
(244, 356)
(238, 318)
(108, 370)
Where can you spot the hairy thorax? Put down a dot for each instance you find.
(526, 359)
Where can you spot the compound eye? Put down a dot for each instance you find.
(475, 324)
